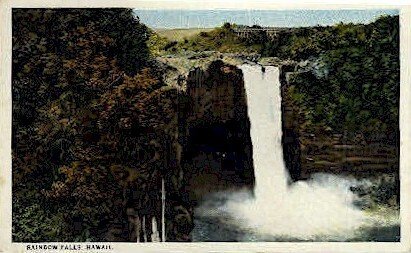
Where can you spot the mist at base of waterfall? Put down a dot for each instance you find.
(320, 209)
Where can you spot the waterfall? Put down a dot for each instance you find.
(264, 110)
(320, 208)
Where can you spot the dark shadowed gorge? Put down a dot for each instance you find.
(218, 151)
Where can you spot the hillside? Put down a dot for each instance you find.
(180, 34)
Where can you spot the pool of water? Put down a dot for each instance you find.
(214, 224)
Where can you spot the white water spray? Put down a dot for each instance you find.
(307, 210)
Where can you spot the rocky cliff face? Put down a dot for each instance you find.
(318, 149)
(290, 126)
(217, 152)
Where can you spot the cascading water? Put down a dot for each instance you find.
(303, 210)
(320, 209)
(264, 110)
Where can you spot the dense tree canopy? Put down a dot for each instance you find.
(85, 101)
(355, 84)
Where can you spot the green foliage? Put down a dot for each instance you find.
(156, 43)
(84, 100)
(306, 42)
(32, 223)
(222, 39)
(355, 84)
(128, 33)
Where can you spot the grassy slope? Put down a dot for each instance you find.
(180, 34)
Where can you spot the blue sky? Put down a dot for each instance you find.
(276, 18)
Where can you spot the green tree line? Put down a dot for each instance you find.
(90, 119)
(354, 85)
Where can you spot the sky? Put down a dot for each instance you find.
(168, 18)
